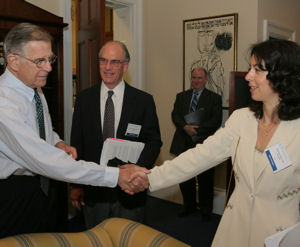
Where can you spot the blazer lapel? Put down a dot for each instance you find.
(127, 110)
(95, 104)
(250, 127)
(276, 138)
(202, 99)
(187, 100)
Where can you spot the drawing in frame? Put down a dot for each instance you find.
(211, 43)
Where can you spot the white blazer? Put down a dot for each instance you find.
(263, 202)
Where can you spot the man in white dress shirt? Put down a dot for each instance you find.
(25, 157)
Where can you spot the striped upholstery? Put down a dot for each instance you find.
(96, 237)
(113, 232)
(127, 233)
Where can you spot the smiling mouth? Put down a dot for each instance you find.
(253, 87)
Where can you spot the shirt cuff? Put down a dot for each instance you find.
(111, 176)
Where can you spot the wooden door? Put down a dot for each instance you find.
(90, 37)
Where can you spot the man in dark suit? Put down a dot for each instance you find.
(134, 118)
(207, 105)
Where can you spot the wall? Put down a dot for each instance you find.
(282, 12)
(54, 6)
(163, 35)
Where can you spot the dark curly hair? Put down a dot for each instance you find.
(281, 59)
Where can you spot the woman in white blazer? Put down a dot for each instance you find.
(264, 143)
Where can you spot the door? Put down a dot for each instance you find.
(91, 36)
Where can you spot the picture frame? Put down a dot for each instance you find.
(211, 43)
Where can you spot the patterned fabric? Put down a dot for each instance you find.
(127, 233)
(109, 117)
(194, 101)
(113, 232)
(39, 114)
(41, 123)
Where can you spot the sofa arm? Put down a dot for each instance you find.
(96, 236)
(128, 233)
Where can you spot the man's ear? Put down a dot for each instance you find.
(13, 62)
(125, 67)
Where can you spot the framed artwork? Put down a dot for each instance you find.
(211, 43)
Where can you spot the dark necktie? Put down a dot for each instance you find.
(194, 101)
(41, 123)
(109, 117)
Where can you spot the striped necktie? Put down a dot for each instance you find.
(194, 101)
(109, 117)
(40, 119)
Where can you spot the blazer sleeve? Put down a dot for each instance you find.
(179, 111)
(215, 149)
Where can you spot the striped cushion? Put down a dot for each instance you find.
(127, 233)
(112, 232)
(96, 237)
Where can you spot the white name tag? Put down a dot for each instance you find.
(278, 157)
(133, 130)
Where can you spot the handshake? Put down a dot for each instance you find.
(133, 178)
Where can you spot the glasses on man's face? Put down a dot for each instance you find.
(40, 62)
(114, 62)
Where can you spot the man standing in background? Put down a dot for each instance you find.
(205, 109)
(132, 116)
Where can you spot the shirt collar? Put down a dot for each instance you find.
(117, 89)
(199, 91)
(11, 81)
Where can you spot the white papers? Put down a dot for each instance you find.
(290, 237)
(121, 149)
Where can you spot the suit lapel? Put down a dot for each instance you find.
(250, 127)
(202, 99)
(276, 138)
(187, 101)
(127, 110)
(95, 104)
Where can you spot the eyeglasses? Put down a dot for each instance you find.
(114, 62)
(40, 62)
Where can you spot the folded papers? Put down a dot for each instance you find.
(121, 149)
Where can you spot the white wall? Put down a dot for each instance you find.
(53, 6)
(282, 12)
(163, 46)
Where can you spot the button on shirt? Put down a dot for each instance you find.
(23, 152)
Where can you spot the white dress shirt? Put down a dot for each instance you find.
(117, 98)
(23, 152)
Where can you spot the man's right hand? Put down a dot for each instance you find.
(127, 184)
(191, 129)
(76, 197)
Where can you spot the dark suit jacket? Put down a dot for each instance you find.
(138, 108)
(210, 103)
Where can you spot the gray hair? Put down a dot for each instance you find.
(123, 46)
(197, 66)
(21, 34)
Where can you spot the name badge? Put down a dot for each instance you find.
(278, 157)
(133, 130)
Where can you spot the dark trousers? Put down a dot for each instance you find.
(24, 208)
(205, 191)
(103, 203)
